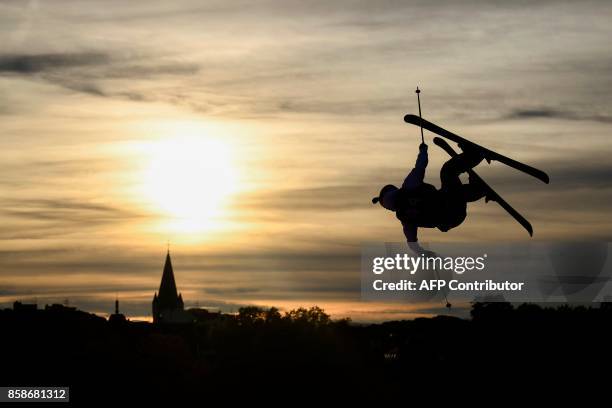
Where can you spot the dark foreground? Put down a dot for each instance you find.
(261, 354)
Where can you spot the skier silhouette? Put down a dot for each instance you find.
(418, 204)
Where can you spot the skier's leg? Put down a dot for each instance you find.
(473, 192)
(449, 174)
(455, 199)
(454, 210)
(467, 160)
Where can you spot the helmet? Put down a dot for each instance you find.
(386, 189)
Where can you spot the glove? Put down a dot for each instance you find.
(423, 147)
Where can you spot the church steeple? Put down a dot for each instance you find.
(167, 288)
(167, 302)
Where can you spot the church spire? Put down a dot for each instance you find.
(167, 287)
(168, 304)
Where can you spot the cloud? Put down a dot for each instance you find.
(127, 70)
(117, 66)
(32, 64)
(115, 260)
(341, 197)
(582, 172)
(47, 218)
(56, 204)
(64, 210)
(10, 291)
(93, 72)
(551, 113)
(341, 107)
(582, 184)
(238, 278)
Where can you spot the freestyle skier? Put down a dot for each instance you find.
(418, 204)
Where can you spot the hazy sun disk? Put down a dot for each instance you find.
(189, 179)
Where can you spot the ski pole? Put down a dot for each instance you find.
(418, 92)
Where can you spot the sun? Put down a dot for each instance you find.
(189, 179)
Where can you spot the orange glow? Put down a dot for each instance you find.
(188, 177)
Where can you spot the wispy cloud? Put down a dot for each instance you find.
(63, 210)
(92, 72)
(27, 64)
(551, 113)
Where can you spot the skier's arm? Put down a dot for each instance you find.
(417, 174)
(410, 231)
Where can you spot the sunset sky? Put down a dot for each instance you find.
(252, 136)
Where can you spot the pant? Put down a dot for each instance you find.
(456, 194)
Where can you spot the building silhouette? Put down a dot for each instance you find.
(24, 307)
(117, 317)
(168, 304)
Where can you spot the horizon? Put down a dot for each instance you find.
(140, 310)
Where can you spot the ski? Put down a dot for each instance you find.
(491, 194)
(488, 154)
